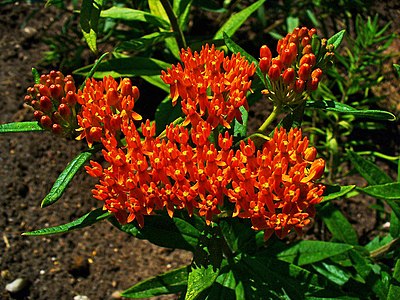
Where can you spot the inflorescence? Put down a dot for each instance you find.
(274, 186)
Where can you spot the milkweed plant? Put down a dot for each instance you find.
(200, 182)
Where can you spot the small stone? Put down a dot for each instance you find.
(18, 285)
(386, 225)
(81, 297)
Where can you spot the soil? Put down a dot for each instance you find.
(98, 261)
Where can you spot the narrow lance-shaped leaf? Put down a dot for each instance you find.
(388, 191)
(338, 225)
(129, 14)
(126, 67)
(236, 20)
(89, 19)
(394, 288)
(20, 127)
(93, 69)
(36, 75)
(307, 252)
(346, 109)
(65, 178)
(336, 39)
(171, 282)
(336, 191)
(84, 221)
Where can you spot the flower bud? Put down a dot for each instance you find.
(265, 52)
(64, 111)
(56, 118)
(115, 122)
(310, 154)
(274, 72)
(264, 64)
(308, 59)
(135, 92)
(28, 99)
(307, 49)
(126, 87)
(293, 38)
(312, 84)
(37, 114)
(71, 98)
(286, 57)
(311, 32)
(288, 76)
(317, 73)
(299, 86)
(305, 41)
(56, 129)
(45, 104)
(69, 86)
(304, 71)
(44, 90)
(46, 122)
(55, 90)
(112, 97)
(303, 32)
(43, 79)
(277, 61)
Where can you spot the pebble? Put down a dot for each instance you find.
(81, 297)
(17, 285)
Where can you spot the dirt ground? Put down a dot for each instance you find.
(95, 262)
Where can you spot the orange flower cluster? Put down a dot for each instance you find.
(104, 105)
(274, 187)
(54, 100)
(297, 68)
(212, 87)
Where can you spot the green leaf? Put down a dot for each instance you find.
(182, 11)
(332, 272)
(372, 174)
(239, 235)
(394, 225)
(291, 23)
(330, 105)
(89, 19)
(206, 265)
(20, 127)
(166, 114)
(93, 69)
(240, 129)
(224, 286)
(156, 81)
(336, 191)
(236, 20)
(338, 225)
(168, 283)
(394, 288)
(264, 277)
(388, 191)
(163, 231)
(235, 48)
(126, 67)
(129, 14)
(397, 68)
(36, 76)
(65, 178)
(84, 221)
(307, 252)
(336, 39)
(145, 41)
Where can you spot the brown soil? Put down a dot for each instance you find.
(96, 261)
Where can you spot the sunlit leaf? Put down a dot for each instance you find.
(89, 19)
(346, 109)
(84, 221)
(335, 191)
(171, 282)
(236, 20)
(36, 76)
(388, 191)
(307, 252)
(20, 127)
(336, 39)
(129, 14)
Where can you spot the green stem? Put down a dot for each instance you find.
(180, 39)
(272, 117)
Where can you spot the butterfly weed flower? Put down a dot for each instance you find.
(105, 104)
(211, 87)
(54, 100)
(297, 69)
